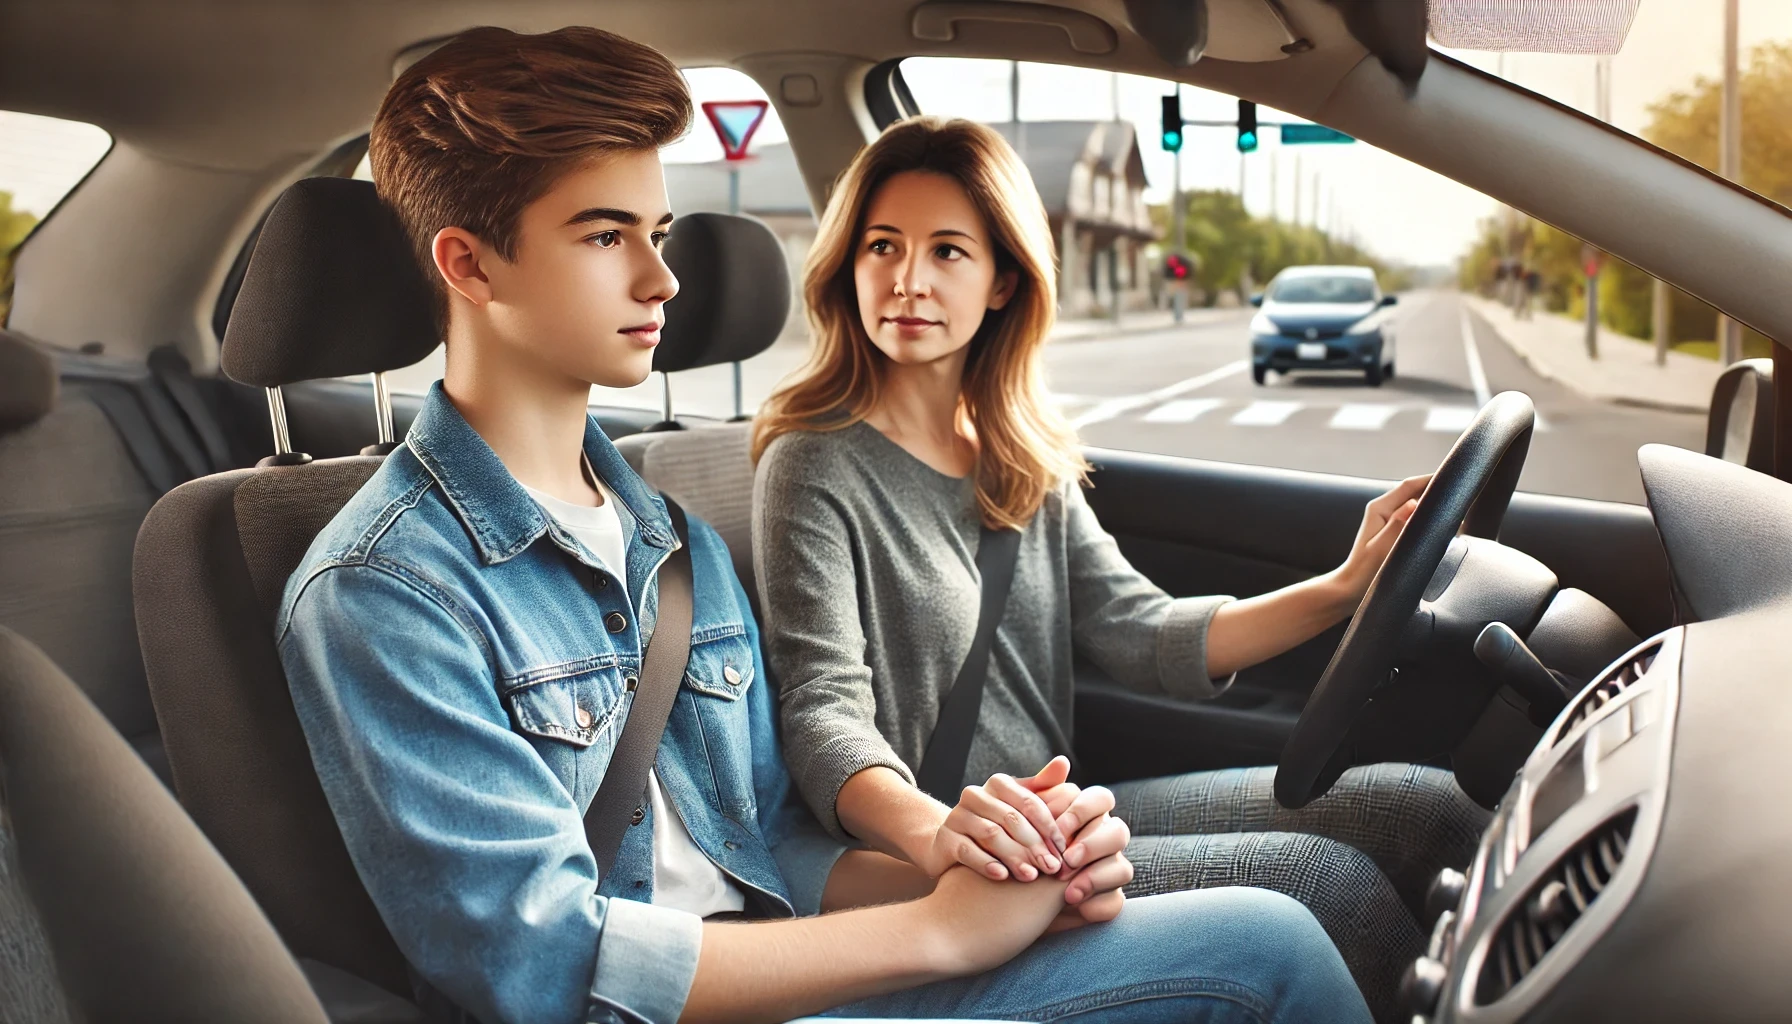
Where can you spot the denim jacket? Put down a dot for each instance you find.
(462, 667)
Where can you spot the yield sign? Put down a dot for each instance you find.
(735, 121)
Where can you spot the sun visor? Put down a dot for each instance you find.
(1533, 26)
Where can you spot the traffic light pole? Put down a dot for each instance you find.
(1179, 235)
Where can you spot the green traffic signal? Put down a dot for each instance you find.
(1247, 126)
(1172, 123)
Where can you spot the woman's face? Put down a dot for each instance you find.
(925, 269)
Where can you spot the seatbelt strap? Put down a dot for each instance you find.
(117, 399)
(623, 790)
(171, 369)
(949, 748)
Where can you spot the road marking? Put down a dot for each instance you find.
(1265, 414)
(1477, 375)
(1183, 410)
(1362, 417)
(1121, 406)
(1452, 419)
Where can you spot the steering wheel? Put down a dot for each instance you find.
(1468, 493)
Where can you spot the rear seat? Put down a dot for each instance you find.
(81, 462)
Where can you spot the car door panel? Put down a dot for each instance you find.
(1196, 527)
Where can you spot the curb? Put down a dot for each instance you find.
(1124, 330)
(1628, 401)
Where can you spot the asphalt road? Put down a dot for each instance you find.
(1188, 391)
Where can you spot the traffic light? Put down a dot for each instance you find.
(1176, 267)
(1172, 123)
(1247, 126)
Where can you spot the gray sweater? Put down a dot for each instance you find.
(866, 559)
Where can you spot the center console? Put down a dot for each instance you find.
(1565, 853)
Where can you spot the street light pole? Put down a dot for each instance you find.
(1729, 161)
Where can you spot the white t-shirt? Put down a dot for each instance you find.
(683, 877)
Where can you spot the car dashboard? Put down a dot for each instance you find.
(1637, 868)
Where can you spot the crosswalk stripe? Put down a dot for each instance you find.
(1362, 417)
(1265, 414)
(1452, 419)
(1183, 410)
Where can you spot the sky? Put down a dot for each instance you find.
(1394, 208)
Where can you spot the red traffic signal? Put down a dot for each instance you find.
(1176, 268)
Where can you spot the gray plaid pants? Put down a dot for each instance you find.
(1360, 857)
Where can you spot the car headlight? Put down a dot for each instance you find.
(1262, 324)
(1367, 325)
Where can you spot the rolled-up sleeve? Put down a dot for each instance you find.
(471, 848)
(808, 588)
(1142, 637)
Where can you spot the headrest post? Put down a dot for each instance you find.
(382, 407)
(283, 453)
(277, 414)
(739, 404)
(382, 416)
(667, 422)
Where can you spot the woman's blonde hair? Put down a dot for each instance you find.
(1026, 447)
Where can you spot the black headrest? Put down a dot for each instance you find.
(27, 382)
(332, 290)
(733, 292)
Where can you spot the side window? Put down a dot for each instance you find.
(1329, 306)
(697, 179)
(42, 159)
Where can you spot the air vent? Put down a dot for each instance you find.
(1552, 907)
(1607, 690)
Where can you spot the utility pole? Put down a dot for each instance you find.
(1729, 162)
(1602, 82)
(1299, 186)
(1659, 315)
(1020, 130)
(1275, 192)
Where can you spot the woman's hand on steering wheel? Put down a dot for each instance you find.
(1383, 519)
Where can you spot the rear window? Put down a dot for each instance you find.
(1324, 289)
(42, 159)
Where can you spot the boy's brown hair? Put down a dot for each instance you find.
(489, 121)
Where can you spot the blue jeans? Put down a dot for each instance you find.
(1231, 955)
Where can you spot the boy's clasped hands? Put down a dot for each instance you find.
(1043, 827)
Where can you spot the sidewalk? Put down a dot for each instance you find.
(1625, 372)
(1141, 322)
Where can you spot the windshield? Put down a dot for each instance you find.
(1324, 289)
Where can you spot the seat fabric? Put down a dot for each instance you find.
(708, 470)
(145, 919)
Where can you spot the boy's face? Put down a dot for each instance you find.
(585, 295)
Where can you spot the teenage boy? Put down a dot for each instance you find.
(464, 639)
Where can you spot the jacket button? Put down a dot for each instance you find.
(583, 717)
(603, 582)
(638, 817)
(731, 844)
(630, 683)
(731, 674)
(615, 623)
